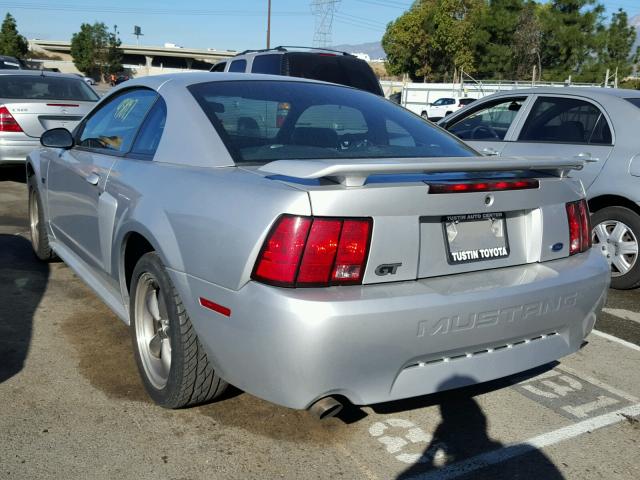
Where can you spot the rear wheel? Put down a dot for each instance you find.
(172, 363)
(616, 231)
(37, 227)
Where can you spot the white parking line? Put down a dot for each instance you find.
(536, 443)
(630, 345)
(624, 314)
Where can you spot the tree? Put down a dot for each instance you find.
(527, 41)
(95, 50)
(11, 42)
(432, 39)
(408, 45)
(619, 39)
(571, 32)
(496, 56)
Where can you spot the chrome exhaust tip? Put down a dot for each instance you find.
(326, 407)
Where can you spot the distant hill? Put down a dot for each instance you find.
(373, 49)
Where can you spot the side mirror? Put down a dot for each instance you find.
(57, 138)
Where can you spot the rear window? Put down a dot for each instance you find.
(262, 121)
(341, 69)
(38, 87)
(634, 101)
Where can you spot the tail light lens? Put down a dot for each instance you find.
(308, 251)
(7, 122)
(579, 227)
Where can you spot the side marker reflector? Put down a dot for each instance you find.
(215, 307)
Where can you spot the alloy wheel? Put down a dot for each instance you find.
(618, 244)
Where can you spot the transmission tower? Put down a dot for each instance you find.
(323, 10)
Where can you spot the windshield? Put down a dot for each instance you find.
(39, 87)
(262, 121)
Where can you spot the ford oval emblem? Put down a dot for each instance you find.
(556, 247)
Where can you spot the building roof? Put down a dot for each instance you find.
(210, 54)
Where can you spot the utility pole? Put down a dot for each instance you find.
(269, 25)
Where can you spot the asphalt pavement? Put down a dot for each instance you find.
(72, 405)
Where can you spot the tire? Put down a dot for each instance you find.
(171, 360)
(424, 115)
(620, 250)
(37, 226)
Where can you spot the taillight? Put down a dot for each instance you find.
(314, 251)
(7, 122)
(479, 186)
(579, 226)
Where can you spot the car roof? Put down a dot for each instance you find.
(185, 79)
(591, 92)
(38, 73)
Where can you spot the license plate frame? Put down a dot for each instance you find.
(484, 253)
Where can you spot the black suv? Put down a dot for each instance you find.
(318, 64)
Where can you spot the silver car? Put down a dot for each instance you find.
(34, 101)
(311, 243)
(597, 125)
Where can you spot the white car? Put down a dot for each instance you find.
(443, 107)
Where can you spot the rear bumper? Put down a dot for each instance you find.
(378, 343)
(15, 150)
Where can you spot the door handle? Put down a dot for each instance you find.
(586, 156)
(93, 178)
(489, 151)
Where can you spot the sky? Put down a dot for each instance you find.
(235, 25)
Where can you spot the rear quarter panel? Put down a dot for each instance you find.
(207, 222)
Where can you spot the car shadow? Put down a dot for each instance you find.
(24, 280)
(13, 173)
(462, 436)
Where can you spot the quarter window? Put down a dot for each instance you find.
(269, 64)
(151, 131)
(490, 123)
(115, 124)
(219, 67)
(565, 120)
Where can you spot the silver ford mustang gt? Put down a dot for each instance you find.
(311, 243)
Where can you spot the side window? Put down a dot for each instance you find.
(151, 131)
(489, 123)
(451, 101)
(238, 66)
(114, 125)
(219, 67)
(561, 120)
(601, 133)
(269, 64)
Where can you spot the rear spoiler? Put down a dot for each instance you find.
(354, 173)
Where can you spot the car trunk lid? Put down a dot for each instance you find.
(420, 231)
(37, 116)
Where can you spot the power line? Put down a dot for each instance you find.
(154, 11)
(356, 18)
(390, 4)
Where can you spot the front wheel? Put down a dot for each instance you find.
(171, 360)
(616, 231)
